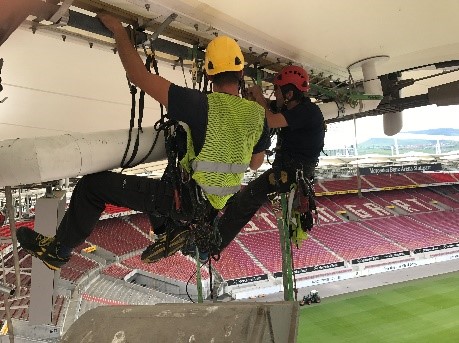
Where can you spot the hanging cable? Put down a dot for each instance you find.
(183, 71)
(159, 125)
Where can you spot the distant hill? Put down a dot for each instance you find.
(439, 132)
(390, 141)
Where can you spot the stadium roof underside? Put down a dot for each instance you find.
(413, 71)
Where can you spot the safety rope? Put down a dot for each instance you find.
(183, 71)
(160, 125)
(133, 90)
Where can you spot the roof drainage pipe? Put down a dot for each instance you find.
(43, 159)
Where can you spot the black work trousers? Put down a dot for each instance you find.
(93, 191)
(244, 204)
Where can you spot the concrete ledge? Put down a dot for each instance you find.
(213, 322)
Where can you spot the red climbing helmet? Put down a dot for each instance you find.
(295, 75)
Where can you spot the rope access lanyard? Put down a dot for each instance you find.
(133, 91)
(183, 71)
(161, 124)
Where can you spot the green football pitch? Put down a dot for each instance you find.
(424, 310)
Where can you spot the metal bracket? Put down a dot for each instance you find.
(61, 17)
(161, 27)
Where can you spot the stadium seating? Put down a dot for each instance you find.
(433, 194)
(77, 267)
(409, 233)
(361, 207)
(329, 204)
(176, 267)
(311, 253)
(352, 240)
(443, 177)
(445, 221)
(343, 184)
(117, 236)
(318, 188)
(263, 220)
(116, 271)
(406, 201)
(449, 191)
(142, 221)
(112, 209)
(265, 246)
(234, 263)
(5, 229)
(388, 180)
(422, 178)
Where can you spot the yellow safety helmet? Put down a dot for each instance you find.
(223, 54)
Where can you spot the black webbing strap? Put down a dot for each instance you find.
(183, 71)
(159, 125)
(133, 91)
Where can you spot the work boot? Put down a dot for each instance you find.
(44, 248)
(166, 245)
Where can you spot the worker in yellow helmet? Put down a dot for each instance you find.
(227, 135)
(300, 140)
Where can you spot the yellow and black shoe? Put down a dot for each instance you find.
(44, 248)
(166, 245)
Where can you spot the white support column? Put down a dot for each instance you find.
(49, 212)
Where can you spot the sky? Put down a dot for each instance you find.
(422, 118)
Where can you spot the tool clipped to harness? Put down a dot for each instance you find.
(302, 209)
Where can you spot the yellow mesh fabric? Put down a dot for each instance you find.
(234, 127)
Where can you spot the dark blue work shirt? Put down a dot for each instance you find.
(303, 139)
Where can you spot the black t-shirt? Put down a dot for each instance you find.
(303, 139)
(191, 107)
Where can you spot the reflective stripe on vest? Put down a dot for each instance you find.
(220, 191)
(219, 167)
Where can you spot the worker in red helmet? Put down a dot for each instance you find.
(300, 140)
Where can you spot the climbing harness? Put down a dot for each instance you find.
(302, 210)
(190, 207)
(296, 213)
